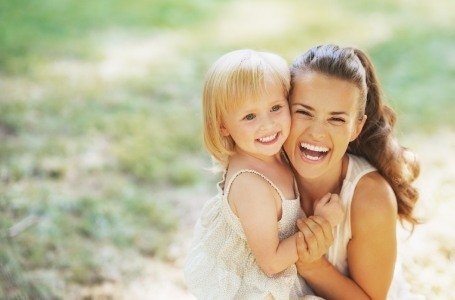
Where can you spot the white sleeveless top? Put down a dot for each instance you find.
(337, 254)
(220, 265)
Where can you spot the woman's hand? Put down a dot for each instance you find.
(313, 241)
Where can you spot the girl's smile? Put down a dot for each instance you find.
(268, 140)
(260, 127)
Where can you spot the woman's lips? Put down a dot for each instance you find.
(313, 152)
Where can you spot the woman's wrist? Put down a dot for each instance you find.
(306, 270)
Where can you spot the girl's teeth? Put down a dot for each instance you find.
(314, 148)
(267, 139)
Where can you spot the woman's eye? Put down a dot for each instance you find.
(249, 117)
(276, 107)
(303, 112)
(338, 120)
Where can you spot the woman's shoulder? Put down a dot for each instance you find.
(373, 198)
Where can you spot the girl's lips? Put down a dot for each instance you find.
(268, 140)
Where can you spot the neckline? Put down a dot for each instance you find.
(226, 187)
(348, 171)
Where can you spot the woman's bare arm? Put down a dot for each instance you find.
(371, 251)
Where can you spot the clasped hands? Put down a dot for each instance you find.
(315, 236)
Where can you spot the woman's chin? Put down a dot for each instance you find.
(309, 166)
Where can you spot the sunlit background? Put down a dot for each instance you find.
(102, 169)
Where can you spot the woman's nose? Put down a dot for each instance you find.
(317, 130)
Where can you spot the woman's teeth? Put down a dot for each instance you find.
(314, 148)
(267, 139)
(313, 152)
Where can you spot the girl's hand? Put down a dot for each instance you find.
(329, 207)
(313, 241)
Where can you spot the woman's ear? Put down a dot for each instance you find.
(224, 131)
(358, 128)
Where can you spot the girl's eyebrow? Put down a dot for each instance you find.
(312, 109)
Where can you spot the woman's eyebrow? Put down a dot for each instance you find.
(304, 106)
(339, 113)
(312, 109)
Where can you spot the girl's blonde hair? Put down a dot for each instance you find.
(237, 77)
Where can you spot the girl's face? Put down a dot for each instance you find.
(259, 128)
(324, 113)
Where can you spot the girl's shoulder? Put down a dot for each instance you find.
(249, 170)
(253, 174)
(246, 179)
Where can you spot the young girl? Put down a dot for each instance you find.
(245, 240)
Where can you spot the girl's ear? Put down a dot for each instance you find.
(358, 128)
(224, 131)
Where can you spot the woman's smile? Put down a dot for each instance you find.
(313, 152)
(324, 121)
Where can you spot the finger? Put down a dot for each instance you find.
(311, 241)
(326, 228)
(318, 234)
(312, 245)
(335, 198)
(301, 224)
(302, 250)
(324, 200)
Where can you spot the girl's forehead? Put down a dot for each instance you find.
(268, 93)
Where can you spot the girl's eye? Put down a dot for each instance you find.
(276, 107)
(249, 117)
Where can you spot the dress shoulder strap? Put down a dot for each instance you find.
(357, 168)
(231, 180)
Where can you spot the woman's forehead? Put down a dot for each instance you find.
(318, 89)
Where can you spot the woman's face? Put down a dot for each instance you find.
(324, 112)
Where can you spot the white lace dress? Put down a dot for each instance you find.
(220, 264)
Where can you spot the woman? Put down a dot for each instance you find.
(341, 142)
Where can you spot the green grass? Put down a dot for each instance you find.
(69, 232)
(86, 156)
(417, 69)
(50, 126)
(33, 31)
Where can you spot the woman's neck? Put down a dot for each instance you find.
(314, 189)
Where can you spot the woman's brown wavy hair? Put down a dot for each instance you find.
(376, 142)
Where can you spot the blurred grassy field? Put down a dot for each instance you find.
(100, 115)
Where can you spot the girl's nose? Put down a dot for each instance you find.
(267, 123)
